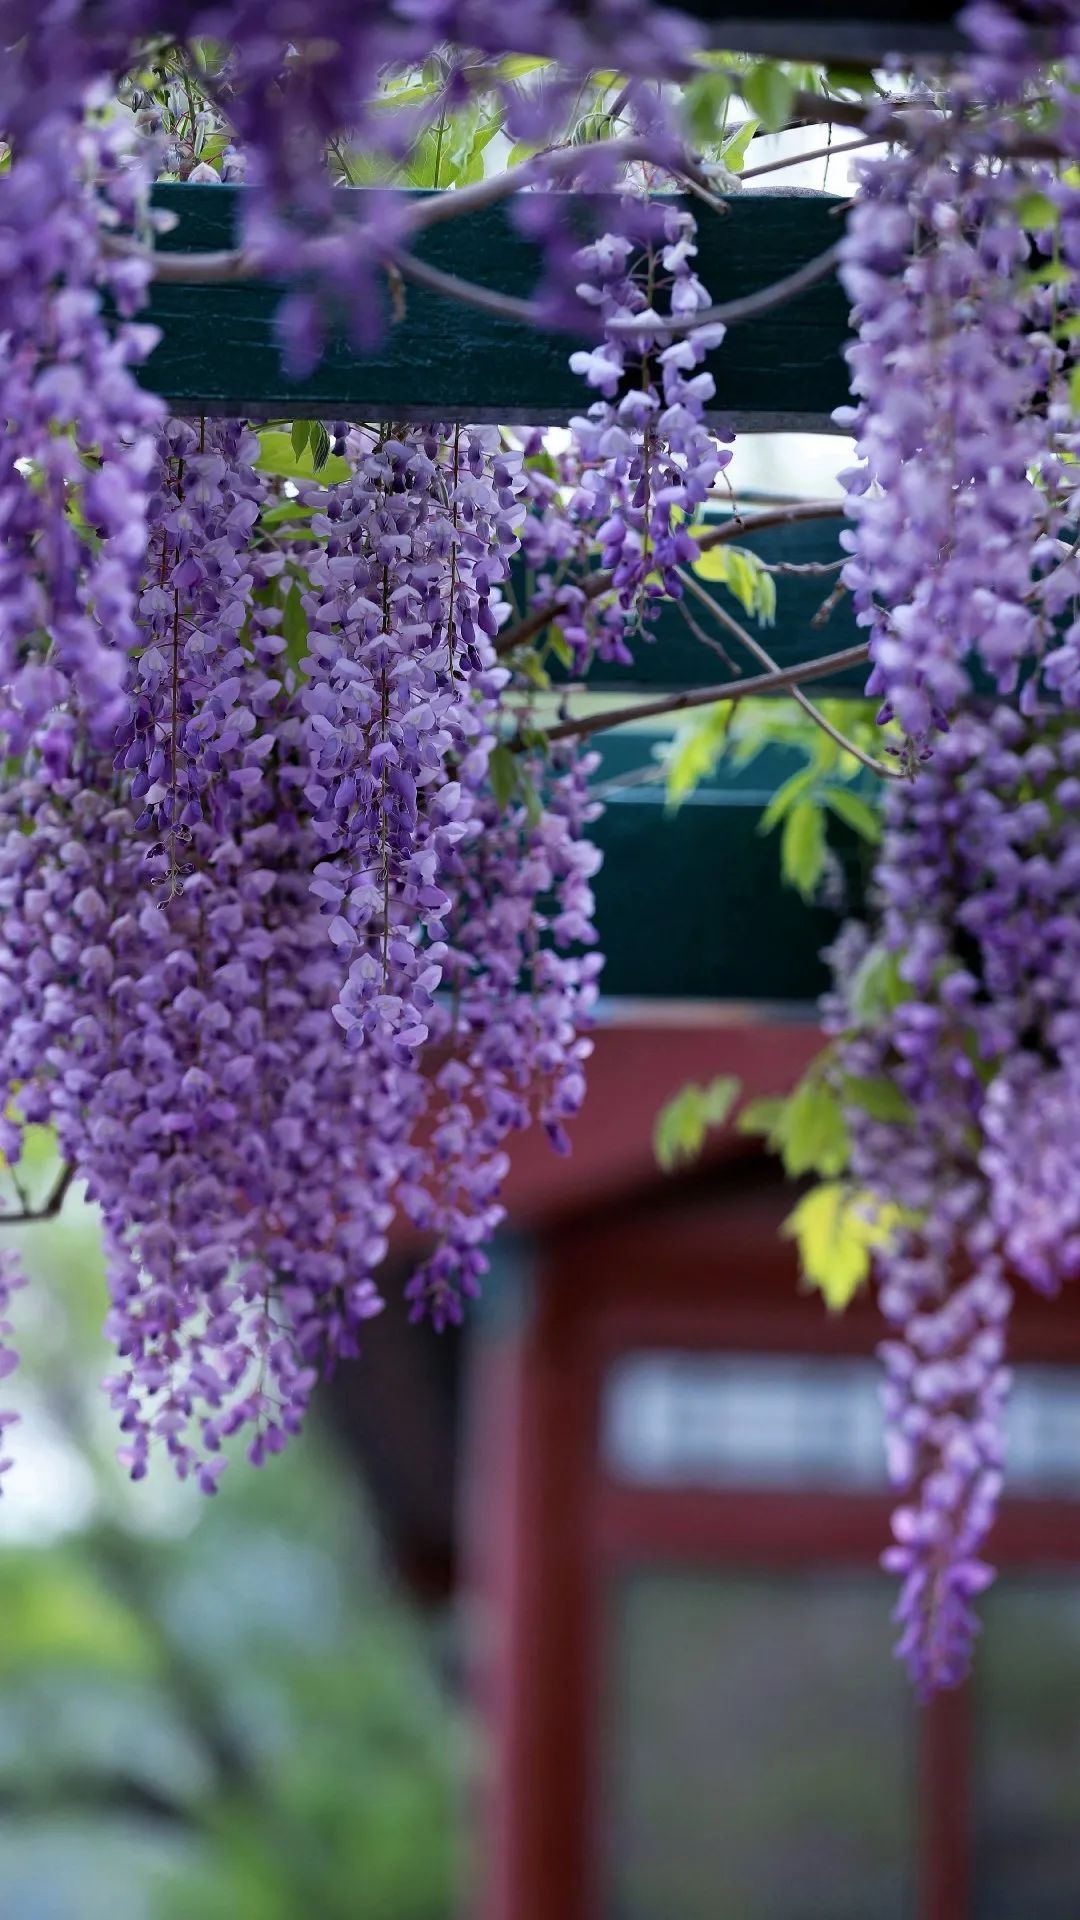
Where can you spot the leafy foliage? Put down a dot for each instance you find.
(683, 1124)
(830, 782)
(836, 1229)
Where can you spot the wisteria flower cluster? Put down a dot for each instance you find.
(298, 917)
(978, 1034)
(278, 966)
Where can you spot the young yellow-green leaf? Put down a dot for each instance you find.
(743, 575)
(764, 1116)
(294, 626)
(733, 152)
(528, 660)
(802, 847)
(1036, 212)
(560, 646)
(320, 444)
(704, 100)
(833, 1242)
(880, 1098)
(276, 456)
(770, 93)
(850, 80)
(681, 1125)
(790, 791)
(503, 771)
(876, 986)
(855, 812)
(813, 1133)
(695, 751)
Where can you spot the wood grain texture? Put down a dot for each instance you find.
(219, 351)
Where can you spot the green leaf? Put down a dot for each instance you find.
(503, 774)
(276, 456)
(786, 796)
(1036, 212)
(769, 91)
(814, 1135)
(802, 847)
(850, 80)
(855, 812)
(320, 446)
(681, 1125)
(300, 435)
(560, 646)
(876, 986)
(834, 1242)
(763, 1116)
(880, 1098)
(294, 625)
(733, 152)
(704, 100)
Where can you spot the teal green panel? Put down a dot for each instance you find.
(219, 352)
(690, 905)
(830, 30)
(675, 658)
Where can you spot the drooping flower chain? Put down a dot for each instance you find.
(977, 892)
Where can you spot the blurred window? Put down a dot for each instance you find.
(759, 1756)
(789, 1421)
(1027, 1752)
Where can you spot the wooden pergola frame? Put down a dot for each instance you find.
(435, 358)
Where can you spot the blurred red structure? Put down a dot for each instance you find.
(673, 1500)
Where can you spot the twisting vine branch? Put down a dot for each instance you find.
(738, 527)
(783, 678)
(730, 313)
(761, 654)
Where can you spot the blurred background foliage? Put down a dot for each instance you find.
(210, 1709)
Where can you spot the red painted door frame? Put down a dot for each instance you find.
(549, 1528)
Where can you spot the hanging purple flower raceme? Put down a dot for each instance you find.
(247, 1120)
(76, 443)
(172, 1019)
(401, 702)
(951, 425)
(975, 892)
(522, 985)
(644, 460)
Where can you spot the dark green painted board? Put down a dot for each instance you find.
(830, 30)
(690, 906)
(444, 361)
(675, 658)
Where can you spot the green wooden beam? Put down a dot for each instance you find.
(833, 31)
(690, 906)
(219, 352)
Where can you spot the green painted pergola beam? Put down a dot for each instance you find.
(444, 361)
(829, 30)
